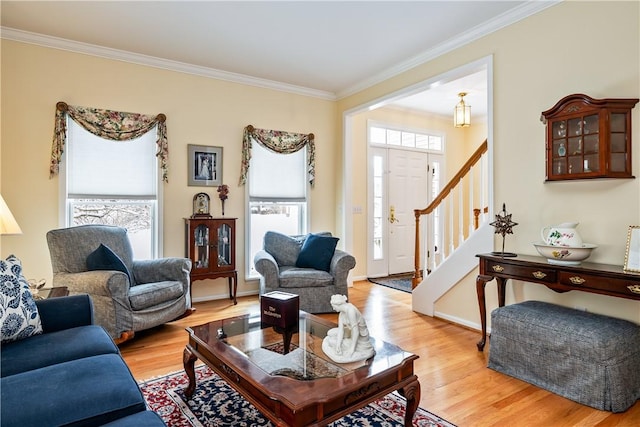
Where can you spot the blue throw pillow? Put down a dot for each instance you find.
(19, 317)
(104, 258)
(317, 252)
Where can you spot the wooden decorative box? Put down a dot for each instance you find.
(279, 309)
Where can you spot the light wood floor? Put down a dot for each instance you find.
(455, 382)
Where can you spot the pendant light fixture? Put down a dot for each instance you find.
(462, 113)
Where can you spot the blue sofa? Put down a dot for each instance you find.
(72, 374)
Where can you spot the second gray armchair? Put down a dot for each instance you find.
(307, 266)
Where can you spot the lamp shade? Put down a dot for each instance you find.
(462, 113)
(8, 224)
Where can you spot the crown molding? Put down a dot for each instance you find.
(475, 33)
(506, 19)
(151, 61)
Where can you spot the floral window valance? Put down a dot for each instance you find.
(107, 124)
(278, 142)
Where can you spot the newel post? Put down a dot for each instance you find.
(417, 275)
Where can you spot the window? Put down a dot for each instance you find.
(277, 186)
(378, 201)
(403, 138)
(114, 183)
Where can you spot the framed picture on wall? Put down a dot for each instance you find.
(205, 166)
(632, 254)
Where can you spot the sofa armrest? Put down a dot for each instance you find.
(341, 263)
(268, 268)
(67, 312)
(161, 269)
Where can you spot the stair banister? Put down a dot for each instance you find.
(475, 157)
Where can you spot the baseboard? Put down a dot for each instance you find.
(459, 321)
(352, 280)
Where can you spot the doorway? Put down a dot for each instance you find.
(359, 224)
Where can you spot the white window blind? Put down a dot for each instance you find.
(277, 176)
(277, 197)
(114, 183)
(97, 166)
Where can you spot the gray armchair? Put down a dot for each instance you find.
(157, 292)
(276, 263)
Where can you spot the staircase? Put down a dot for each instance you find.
(460, 232)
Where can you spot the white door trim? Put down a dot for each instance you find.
(345, 211)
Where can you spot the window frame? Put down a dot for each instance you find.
(406, 130)
(65, 212)
(304, 217)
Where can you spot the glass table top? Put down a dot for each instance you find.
(247, 338)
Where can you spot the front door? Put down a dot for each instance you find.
(407, 191)
(399, 184)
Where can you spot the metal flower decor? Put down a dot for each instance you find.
(504, 226)
(223, 194)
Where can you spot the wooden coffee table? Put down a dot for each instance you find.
(303, 387)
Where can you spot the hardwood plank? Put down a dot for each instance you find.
(456, 383)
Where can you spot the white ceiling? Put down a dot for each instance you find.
(328, 49)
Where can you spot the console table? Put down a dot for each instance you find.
(601, 279)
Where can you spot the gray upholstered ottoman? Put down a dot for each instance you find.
(589, 358)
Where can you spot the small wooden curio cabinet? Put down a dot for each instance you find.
(211, 246)
(588, 138)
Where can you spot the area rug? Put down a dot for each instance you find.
(215, 403)
(401, 282)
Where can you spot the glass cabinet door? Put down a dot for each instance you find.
(588, 138)
(618, 154)
(201, 246)
(224, 245)
(576, 145)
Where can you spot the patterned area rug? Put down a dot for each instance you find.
(401, 282)
(215, 403)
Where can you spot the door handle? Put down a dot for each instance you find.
(392, 214)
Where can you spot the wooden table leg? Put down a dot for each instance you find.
(287, 334)
(502, 283)
(412, 393)
(287, 340)
(233, 289)
(481, 281)
(189, 361)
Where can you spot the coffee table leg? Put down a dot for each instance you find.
(287, 340)
(287, 334)
(189, 361)
(412, 393)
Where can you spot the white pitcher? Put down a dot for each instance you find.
(564, 234)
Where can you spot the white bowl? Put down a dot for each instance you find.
(563, 255)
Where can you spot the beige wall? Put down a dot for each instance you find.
(573, 47)
(199, 110)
